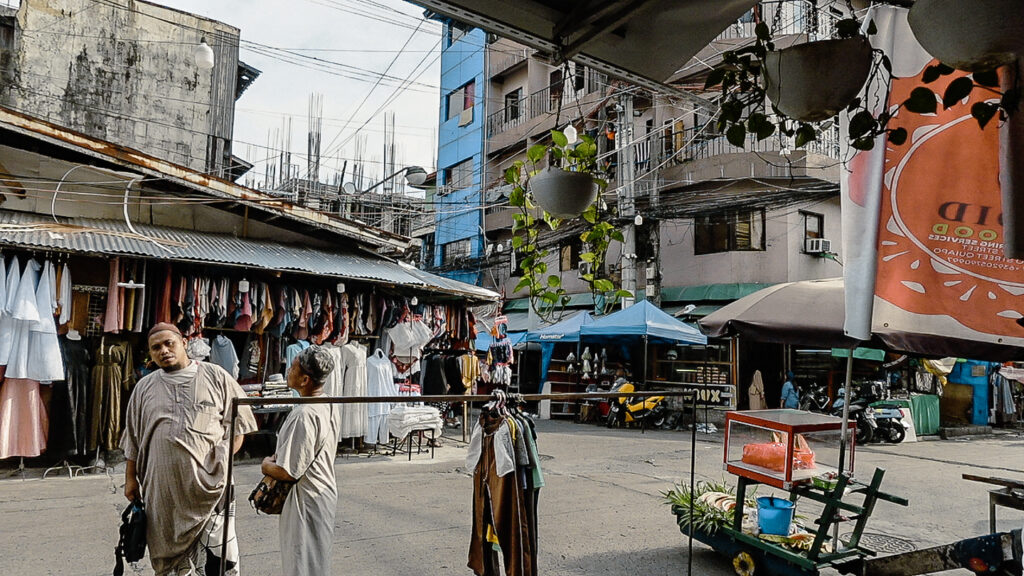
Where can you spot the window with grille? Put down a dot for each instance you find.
(459, 176)
(453, 252)
(729, 232)
(513, 105)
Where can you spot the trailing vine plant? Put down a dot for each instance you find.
(547, 295)
(744, 102)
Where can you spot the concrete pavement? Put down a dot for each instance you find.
(600, 513)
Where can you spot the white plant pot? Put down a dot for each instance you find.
(814, 81)
(563, 194)
(971, 36)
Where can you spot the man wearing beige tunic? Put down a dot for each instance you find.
(176, 446)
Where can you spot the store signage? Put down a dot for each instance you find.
(710, 394)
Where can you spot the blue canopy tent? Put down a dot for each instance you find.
(644, 321)
(484, 339)
(567, 330)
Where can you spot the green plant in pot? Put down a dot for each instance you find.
(793, 80)
(569, 186)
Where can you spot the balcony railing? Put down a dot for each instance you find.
(544, 101)
(698, 145)
(506, 60)
(792, 17)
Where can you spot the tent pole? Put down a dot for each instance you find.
(643, 383)
(844, 432)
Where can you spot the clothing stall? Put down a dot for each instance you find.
(72, 341)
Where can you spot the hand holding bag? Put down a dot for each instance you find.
(269, 495)
(131, 545)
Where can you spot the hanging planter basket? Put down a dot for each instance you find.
(971, 36)
(563, 194)
(812, 82)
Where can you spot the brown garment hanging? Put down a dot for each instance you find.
(498, 502)
(112, 379)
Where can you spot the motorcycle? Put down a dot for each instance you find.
(625, 410)
(815, 399)
(861, 413)
(891, 427)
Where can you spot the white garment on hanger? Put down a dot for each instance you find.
(46, 364)
(25, 313)
(7, 321)
(64, 298)
(380, 381)
(354, 417)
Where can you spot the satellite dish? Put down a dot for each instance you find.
(203, 55)
(348, 188)
(415, 175)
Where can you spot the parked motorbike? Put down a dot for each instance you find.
(815, 398)
(627, 410)
(861, 413)
(891, 427)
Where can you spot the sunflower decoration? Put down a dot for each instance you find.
(743, 564)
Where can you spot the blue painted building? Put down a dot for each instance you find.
(459, 237)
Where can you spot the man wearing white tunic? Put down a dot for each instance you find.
(306, 446)
(176, 448)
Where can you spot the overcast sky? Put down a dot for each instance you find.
(358, 40)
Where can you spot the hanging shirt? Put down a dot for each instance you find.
(222, 353)
(504, 449)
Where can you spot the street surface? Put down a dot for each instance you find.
(600, 513)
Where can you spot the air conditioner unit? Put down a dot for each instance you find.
(585, 268)
(817, 245)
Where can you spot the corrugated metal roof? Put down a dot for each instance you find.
(91, 236)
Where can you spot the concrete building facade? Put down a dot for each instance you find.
(124, 71)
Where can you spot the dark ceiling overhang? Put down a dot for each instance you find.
(641, 41)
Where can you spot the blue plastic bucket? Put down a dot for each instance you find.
(774, 515)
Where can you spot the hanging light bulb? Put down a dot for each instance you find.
(203, 55)
(570, 134)
(243, 286)
(638, 220)
(341, 287)
(500, 247)
(414, 301)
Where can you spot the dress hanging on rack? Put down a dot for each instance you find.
(354, 417)
(380, 381)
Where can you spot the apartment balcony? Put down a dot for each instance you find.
(506, 61)
(696, 156)
(534, 113)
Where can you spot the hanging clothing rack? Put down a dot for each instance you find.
(236, 402)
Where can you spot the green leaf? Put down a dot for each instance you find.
(921, 101)
(549, 297)
(872, 29)
(861, 123)
(898, 136)
(988, 78)
(762, 32)
(714, 78)
(524, 283)
(559, 138)
(736, 135)
(760, 125)
(865, 143)
(512, 175)
(517, 242)
(617, 236)
(517, 197)
(536, 152)
(804, 134)
(956, 91)
(623, 294)
(554, 281)
(946, 70)
(588, 256)
(983, 112)
(590, 214)
(603, 285)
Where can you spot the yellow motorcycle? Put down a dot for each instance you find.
(626, 410)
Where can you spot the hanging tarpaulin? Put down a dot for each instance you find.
(860, 354)
(939, 245)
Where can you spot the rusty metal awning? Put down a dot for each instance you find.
(112, 237)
